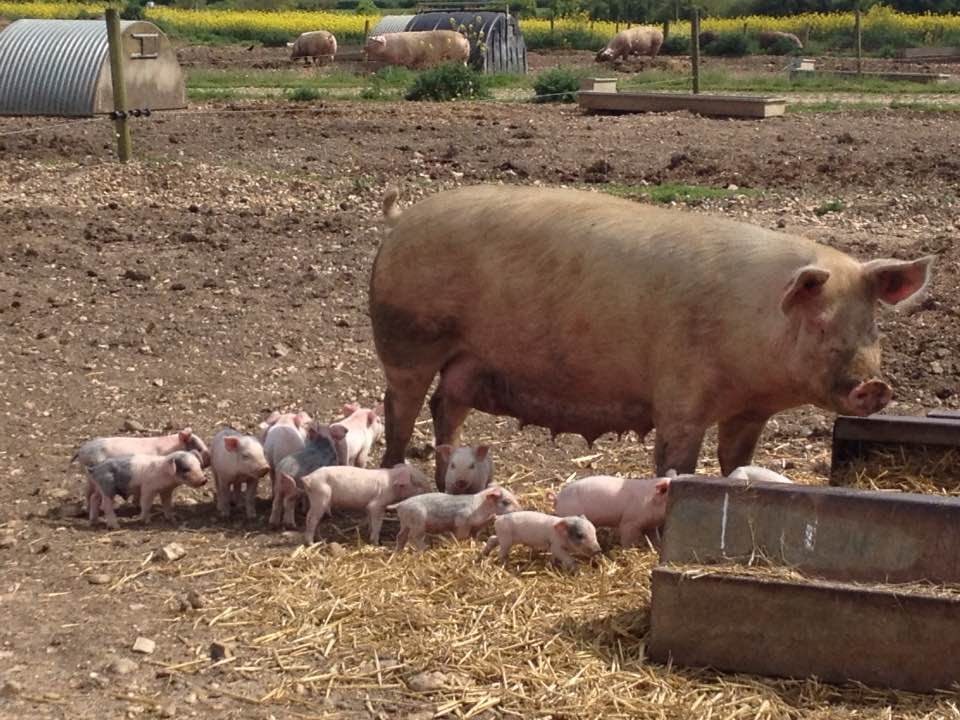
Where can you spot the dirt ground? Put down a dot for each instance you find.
(223, 274)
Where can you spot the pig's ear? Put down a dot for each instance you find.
(231, 442)
(805, 285)
(349, 408)
(560, 526)
(445, 451)
(403, 479)
(897, 280)
(338, 432)
(494, 495)
(272, 418)
(662, 487)
(171, 467)
(298, 420)
(481, 452)
(371, 417)
(185, 435)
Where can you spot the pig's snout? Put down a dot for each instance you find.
(263, 470)
(197, 480)
(868, 397)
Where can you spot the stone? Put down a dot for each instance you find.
(336, 550)
(98, 579)
(7, 542)
(11, 688)
(170, 552)
(279, 350)
(132, 425)
(428, 681)
(168, 710)
(195, 599)
(144, 645)
(122, 666)
(219, 651)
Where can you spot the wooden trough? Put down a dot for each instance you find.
(600, 95)
(805, 67)
(782, 623)
(929, 54)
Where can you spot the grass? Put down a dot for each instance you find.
(672, 192)
(830, 206)
(828, 106)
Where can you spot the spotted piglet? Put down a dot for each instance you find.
(463, 515)
(141, 475)
(563, 537)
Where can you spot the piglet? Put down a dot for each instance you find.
(469, 469)
(142, 475)
(99, 449)
(754, 473)
(350, 488)
(282, 435)
(237, 459)
(463, 515)
(364, 428)
(562, 536)
(637, 506)
(326, 445)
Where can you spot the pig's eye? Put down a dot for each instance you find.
(472, 465)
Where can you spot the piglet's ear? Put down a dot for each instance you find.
(402, 478)
(371, 417)
(662, 487)
(481, 452)
(560, 526)
(494, 494)
(231, 443)
(170, 467)
(349, 408)
(338, 432)
(804, 287)
(185, 435)
(897, 280)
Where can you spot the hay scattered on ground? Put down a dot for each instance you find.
(917, 470)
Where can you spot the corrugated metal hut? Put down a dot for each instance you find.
(61, 67)
(503, 48)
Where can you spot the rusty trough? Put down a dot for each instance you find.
(819, 621)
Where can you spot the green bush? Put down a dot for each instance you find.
(731, 45)
(556, 85)
(133, 10)
(303, 94)
(451, 81)
(675, 45)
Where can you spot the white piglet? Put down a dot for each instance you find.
(468, 469)
(237, 459)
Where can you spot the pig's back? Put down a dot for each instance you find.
(600, 498)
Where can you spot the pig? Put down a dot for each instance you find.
(97, 450)
(282, 435)
(632, 41)
(562, 536)
(237, 459)
(468, 469)
(418, 50)
(365, 428)
(635, 506)
(588, 313)
(752, 473)
(318, 46)
(464, 515)
(143, 475)
(340, 487)
(326, 445)
(768, 37)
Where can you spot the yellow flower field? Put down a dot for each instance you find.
(277, 26)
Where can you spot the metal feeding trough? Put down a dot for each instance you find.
(824, 622)
(806, 67)
(600, 95)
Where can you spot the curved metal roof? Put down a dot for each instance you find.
(391, 24)
(50, 67)
(479, 20)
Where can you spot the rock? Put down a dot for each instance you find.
(144, 645)
(122, 666)
(279, 350)
(99, 579)
(943, 393)
(98, 680)
(191, 699)
(59, 493)
(177, 286)
(132, 426)
(219, 651)
(136, 275)
(336, 550)
(7, 542)
(11, 688)
(169, 552)
(168, 710)
(428, 681)
(936, 368)
(195, 599)
(732, 186)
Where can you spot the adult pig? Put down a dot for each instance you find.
(237, 460)
(632, 41)
(318, 46)
(146, 476)
(418, 50)
(326, 445)
(767, 38)
(363, 427)
(97, 450)
(588, 313)
(635, 506)
(468, 469)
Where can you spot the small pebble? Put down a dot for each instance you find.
(98, 579)
(144, 645)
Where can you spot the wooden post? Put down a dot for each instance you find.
(616, 27)
(366, 29)
(551, 24)
(695, 48)
(666, 29)
(858, 29)
(676, 10)
(115, 41)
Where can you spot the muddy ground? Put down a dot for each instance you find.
(223, 274)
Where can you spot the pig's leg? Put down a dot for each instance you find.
(146, 502)
(320, 497)
(736, 440)
(289, 511)
(109, 515)
(166, 503)
(251, 498)
(678, 447)
(402, 538)
(375, 516)
(223, 496)
(492, 542)
(448, 417)
(276, 508)
(461, 530)
(93, 502)
(402, 403)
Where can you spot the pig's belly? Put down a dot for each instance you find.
(545, 400)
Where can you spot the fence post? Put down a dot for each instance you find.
(366, 30)
(858, 30)
(666, 30)
(115, 42)
(551, 25)
(695, 48)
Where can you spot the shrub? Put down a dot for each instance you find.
(556, 85)
(303, 94)
(675, 45)
(451, 81)
(133, 10)
(782, 46)
(730, 45)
